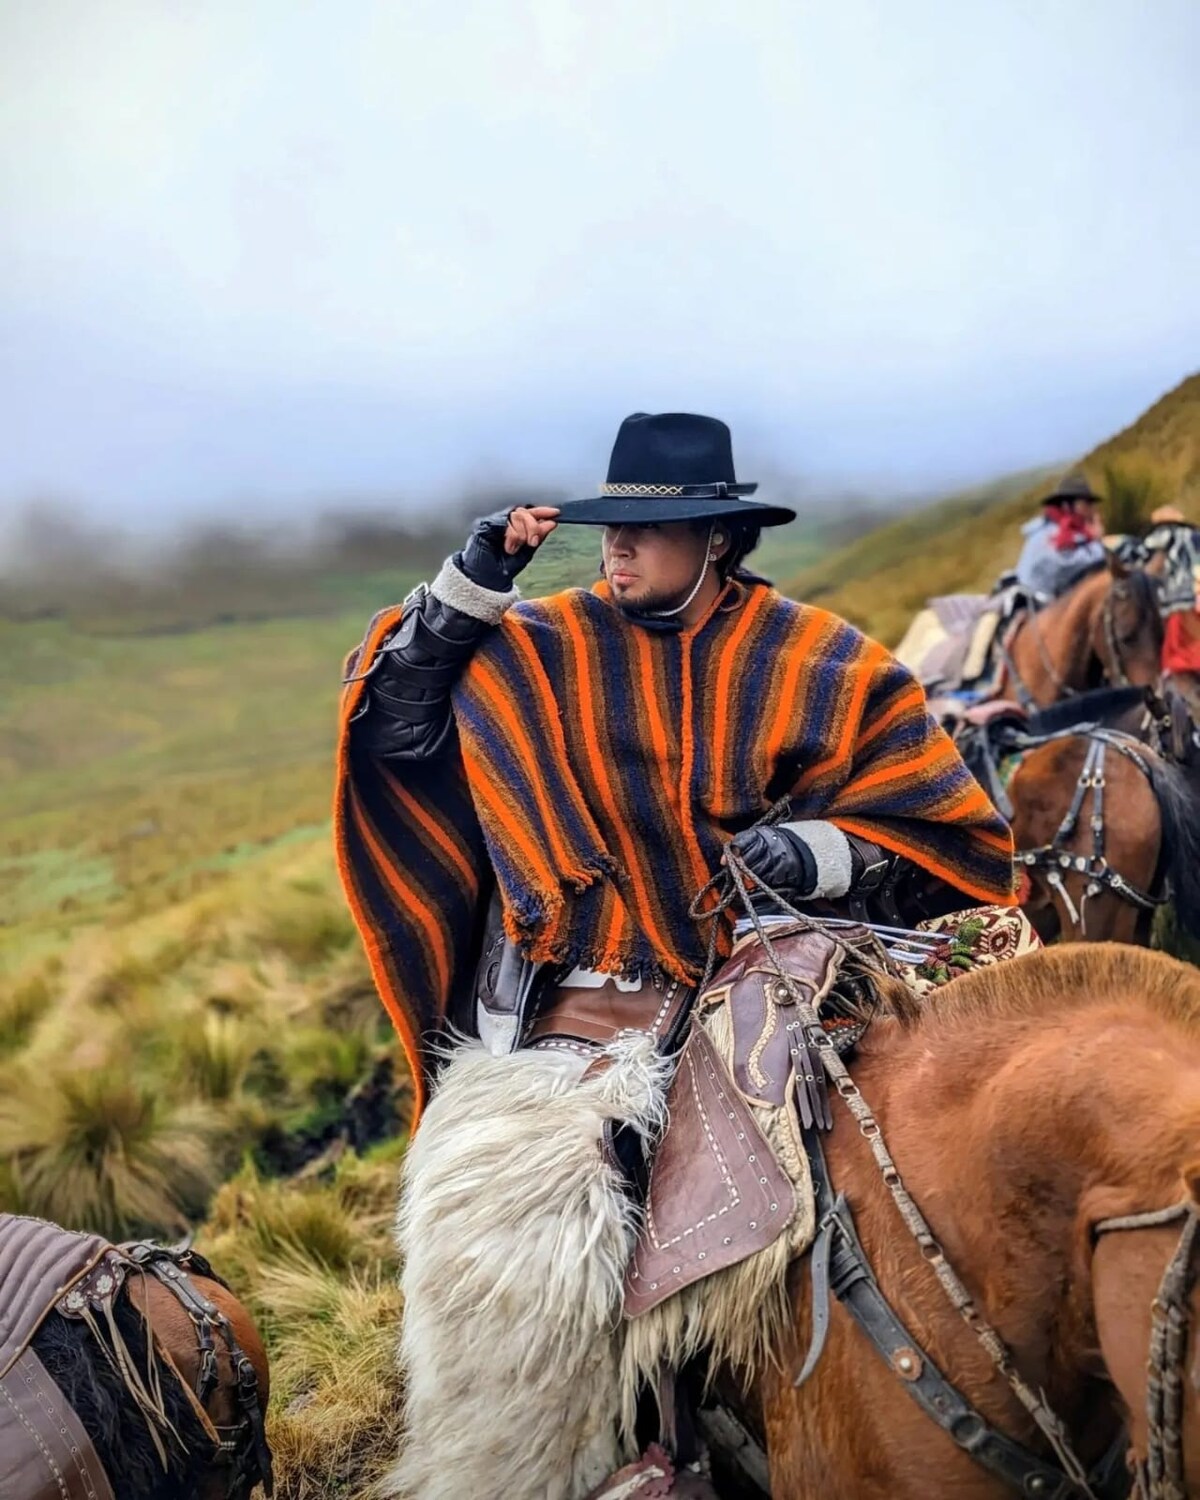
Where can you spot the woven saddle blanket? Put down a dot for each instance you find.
(730, 1190)
(950, 646)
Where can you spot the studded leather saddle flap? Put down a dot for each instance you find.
(717, 1192)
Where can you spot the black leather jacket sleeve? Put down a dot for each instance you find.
(406, 712)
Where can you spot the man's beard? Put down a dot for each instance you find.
(655, 600)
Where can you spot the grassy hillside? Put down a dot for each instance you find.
(961, 544)
(188, 1032)
(141, 760)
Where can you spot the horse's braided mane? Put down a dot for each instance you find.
(1073, 977)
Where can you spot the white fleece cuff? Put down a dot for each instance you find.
(453, 587)
(831, 851)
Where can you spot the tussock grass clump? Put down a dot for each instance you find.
(1133, 488)
(23, 1003)
(101, 1150)
(314, 1262)
(334, 1428)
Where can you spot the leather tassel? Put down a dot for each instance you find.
(812, 1091)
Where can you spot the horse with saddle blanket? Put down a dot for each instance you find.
(127, 1372)
(533, 798)
(1105, 630)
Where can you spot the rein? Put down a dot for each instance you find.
(1161, 1476)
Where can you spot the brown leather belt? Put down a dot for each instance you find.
(583, 1019)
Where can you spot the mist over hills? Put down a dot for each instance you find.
(57, 562)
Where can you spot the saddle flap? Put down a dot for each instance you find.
(39, 1262)
(762, 1011)
(716, 1194)
(45, 1452)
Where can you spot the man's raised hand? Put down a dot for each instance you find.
(500, 545)
(529, 526)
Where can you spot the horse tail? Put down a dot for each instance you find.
(1179, 813)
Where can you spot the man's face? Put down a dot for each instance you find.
(653, 566)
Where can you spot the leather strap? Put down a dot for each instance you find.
(45, 1453)
(839, 1262)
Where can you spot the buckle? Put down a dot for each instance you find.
(873, 876)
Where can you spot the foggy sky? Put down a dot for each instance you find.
(252, 255)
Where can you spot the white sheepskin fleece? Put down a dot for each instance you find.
(515, 1232)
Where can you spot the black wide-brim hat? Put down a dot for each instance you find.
(671, 467)
(1073, 487)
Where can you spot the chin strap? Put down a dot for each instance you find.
(666, 614)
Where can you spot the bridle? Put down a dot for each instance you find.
(1055, 859)
(1124, 589)
(1118, 675)
(1161, 1475)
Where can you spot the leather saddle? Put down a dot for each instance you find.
(717, 1192)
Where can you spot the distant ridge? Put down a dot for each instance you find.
(960, 544)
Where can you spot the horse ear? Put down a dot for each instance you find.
(1116, 566)
(1191, 1182)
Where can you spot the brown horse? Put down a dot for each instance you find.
(1107, 829)
(203, 1439)
(1024, 1105)
(1107, 629)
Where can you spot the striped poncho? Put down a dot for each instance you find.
(599, 769)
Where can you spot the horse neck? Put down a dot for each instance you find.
(1068, 631)
(1017, 1137)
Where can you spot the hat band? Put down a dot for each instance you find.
(641, 489)
(717, 491)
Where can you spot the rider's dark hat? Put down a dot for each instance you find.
(671, 467)
(1073, 487)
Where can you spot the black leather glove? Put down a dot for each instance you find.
(779, 859)
(484, 559)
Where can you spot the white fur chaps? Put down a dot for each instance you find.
(514, 1232)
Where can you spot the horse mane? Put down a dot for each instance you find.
(1179, 814)
(93, 1386)
(1046, 983)
(1099, 706)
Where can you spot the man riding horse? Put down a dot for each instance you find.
(1065, 542)
(531, 796)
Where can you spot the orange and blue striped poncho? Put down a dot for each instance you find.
(599, 769)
